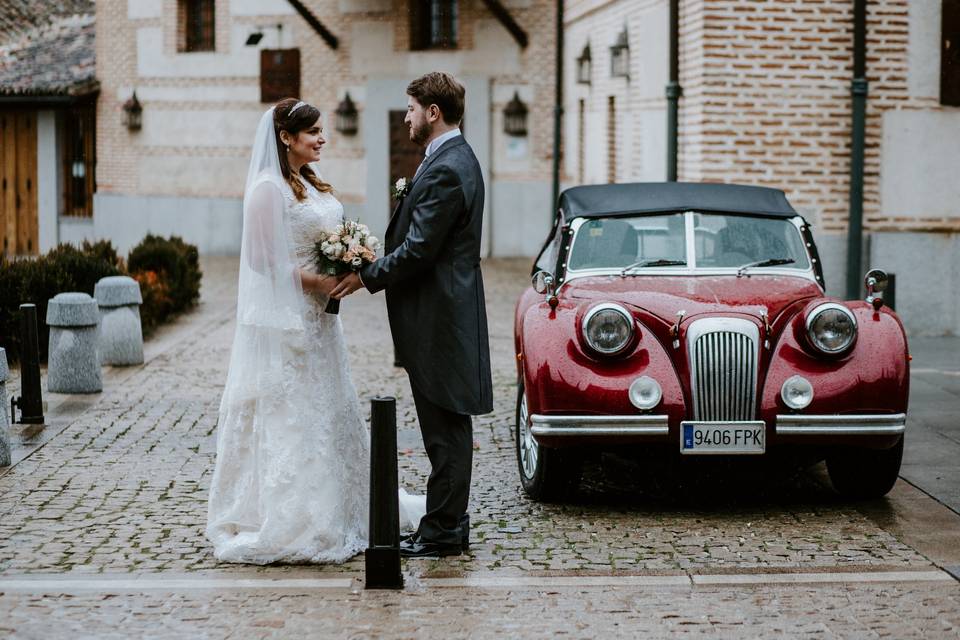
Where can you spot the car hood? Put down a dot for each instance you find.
(664, 296)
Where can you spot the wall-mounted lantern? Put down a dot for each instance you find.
(132, 113)
(347, 117)
(515, 117)
(584, 66)
(620, 56)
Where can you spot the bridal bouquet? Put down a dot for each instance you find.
(347, 248)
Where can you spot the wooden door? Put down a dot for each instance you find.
(405, 156)
(18, 182)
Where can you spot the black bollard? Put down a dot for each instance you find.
(383, 555)
(890, 295)
(30, 402)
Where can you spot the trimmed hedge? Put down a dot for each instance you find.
(167, 269)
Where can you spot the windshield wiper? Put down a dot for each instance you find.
(772, 262)
(653, 263)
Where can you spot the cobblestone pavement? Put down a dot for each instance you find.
(122, 488)
(897, 611)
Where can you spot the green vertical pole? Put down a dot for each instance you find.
(557, 112)
(858, 90)
(674, 91)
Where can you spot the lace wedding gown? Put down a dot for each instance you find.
(292, 472)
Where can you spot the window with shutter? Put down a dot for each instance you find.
(433, 24)
(950, 54)
(195, 19)
(279, 74)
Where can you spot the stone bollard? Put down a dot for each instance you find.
(121, 335)
(73, 364)
(4, 420)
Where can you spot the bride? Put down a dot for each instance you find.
(292, 471)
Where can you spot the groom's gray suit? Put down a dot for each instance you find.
(435, 302)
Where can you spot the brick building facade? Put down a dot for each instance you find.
(183, 172)
(767, 101)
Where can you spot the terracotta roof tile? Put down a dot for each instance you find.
(47, 48)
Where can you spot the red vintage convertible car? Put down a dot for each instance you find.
(694, 315)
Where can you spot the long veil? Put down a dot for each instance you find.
(270, 299)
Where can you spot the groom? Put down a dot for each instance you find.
(431, 274)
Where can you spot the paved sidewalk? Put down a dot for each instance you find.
(118, 485)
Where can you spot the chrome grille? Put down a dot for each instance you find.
(723, 357)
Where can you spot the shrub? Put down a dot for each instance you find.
(175, 263)
(36, 280)
(168, 271)
(157, 306)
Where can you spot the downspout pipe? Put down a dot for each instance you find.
(674, 91)
(557, 112)
(858, 90)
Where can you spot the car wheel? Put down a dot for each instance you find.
(546, 474)
(865, 473)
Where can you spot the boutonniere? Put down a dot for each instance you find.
(401, 188)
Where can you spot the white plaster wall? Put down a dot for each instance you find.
(372, 52)
(346, 175)
(920, 154)
(212, 93)
(48, 191)
(200, 128)
(923, 49)
(142, 9)
(176, 174)
(75, 230)
(927, 266)
(652, 144)
(213, 224)
(241, 62)
(511, 153)
(261, 8)
(521, 217)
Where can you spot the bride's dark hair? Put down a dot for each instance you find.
(301, 119)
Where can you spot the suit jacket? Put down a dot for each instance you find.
(434, 288)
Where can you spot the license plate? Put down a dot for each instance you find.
(722, 437)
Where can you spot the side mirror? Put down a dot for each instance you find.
(543, 282)
(876, 282)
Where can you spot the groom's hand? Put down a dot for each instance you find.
(350, 283)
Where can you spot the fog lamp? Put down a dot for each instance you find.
(797, 392)
(645, 393)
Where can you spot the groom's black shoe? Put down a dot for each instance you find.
(417, 547)
(463, 525)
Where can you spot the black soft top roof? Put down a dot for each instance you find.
(653, 197)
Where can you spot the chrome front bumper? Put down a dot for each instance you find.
(657, 426)
(842, 425)
(645, 425)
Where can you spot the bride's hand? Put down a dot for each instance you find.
(319, 283)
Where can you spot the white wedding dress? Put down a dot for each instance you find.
(292, 470)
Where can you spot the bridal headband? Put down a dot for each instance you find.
(295, 107)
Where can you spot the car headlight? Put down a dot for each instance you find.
(645, 393)
(608, 328)
(831, 327)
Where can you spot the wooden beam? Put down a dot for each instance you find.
(503, 15)
(332, 41)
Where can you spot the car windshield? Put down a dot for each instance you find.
(642, 244)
